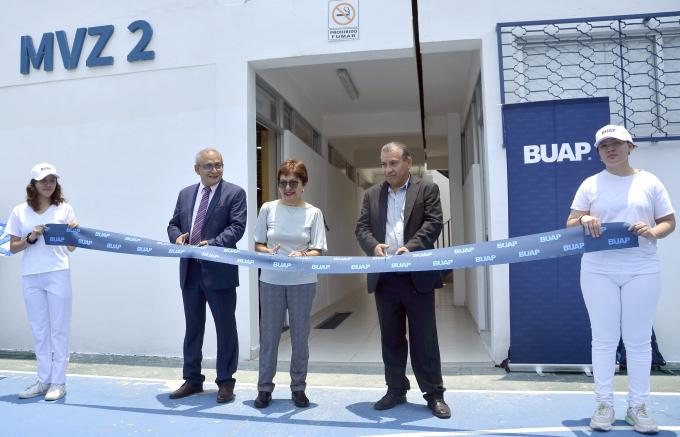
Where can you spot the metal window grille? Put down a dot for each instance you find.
(634, 60)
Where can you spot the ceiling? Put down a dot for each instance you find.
(386, 85)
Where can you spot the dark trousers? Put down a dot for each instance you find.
(222, 304)
(397, 302)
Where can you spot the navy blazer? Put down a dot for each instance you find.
(422, 225)
(224, 225)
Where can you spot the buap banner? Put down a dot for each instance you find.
(550, 151)
(559, 243)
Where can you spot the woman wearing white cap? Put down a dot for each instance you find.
(621, 287)
(46, 278)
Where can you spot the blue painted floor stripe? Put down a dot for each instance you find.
(127, 406)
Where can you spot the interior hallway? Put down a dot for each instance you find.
(357, 338)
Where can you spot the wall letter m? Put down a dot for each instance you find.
(30, 56)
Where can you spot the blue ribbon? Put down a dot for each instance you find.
(4, 241)
(563, 242)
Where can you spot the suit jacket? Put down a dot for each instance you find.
(224, 224)
(422, 225)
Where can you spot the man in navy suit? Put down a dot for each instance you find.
(212, 212)
(404, 215)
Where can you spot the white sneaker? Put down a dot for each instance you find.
(37, 389)
(56, 391)
(603, 418)
(639, 418)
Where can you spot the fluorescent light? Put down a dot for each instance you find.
(346, 81)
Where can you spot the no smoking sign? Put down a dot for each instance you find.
(343, 20)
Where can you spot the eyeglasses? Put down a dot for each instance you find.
(293, 184)
(210, 167)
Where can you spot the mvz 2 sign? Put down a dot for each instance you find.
(70, 56)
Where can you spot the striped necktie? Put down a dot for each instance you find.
(197, 230)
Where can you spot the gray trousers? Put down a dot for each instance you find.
(274, 300)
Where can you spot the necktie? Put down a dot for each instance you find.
(200, 217)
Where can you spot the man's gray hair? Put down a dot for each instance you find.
(405, 153)
(206, 150)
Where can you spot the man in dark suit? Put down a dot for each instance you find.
(403, 215)
(212, 212)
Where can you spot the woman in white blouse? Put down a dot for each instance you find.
(288, 226)
(621, 287)
(46, 278)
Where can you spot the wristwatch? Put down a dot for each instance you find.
(28, 239)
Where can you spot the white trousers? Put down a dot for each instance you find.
(48, 305)
(621, 306)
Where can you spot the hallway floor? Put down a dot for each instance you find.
(357, 338)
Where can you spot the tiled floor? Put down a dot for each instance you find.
(357, 339)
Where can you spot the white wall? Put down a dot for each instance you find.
(456, 201)
(124, 138)
(661, 159)
(330, 190)
(474, 233)
(122, 166)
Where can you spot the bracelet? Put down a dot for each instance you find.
(580, 219)
(28, 239)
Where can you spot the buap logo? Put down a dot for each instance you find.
(548, 238)
(421, 254)
(572, 247)
(360, 266)
(400, 265)
(442, 262)
(543, 153)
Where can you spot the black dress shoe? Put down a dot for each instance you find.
(390, 400)
(263, 399)
(187, 389)
(299, 399)
(225, 394)
(439, 408)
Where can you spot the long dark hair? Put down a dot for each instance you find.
(32, 196)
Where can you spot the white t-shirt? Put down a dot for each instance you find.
(294, 228)
(39, 257)
(640, 197)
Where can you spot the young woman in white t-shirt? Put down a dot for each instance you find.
(288, 226)
(46, 279)
(621, 287)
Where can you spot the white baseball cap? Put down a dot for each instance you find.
(41, 170)
(612, 131)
